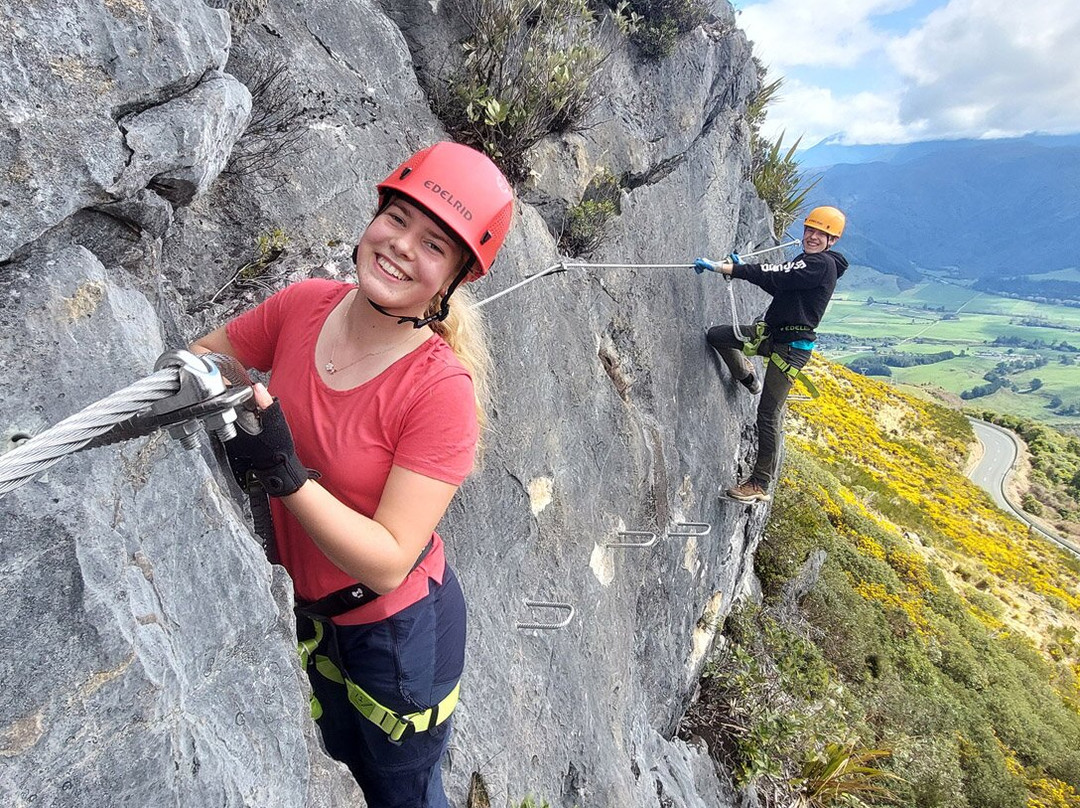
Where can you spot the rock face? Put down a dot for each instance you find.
(151, 658)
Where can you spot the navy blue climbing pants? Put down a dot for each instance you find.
(408, 663)
(774, 390)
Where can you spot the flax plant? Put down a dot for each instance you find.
(774, 171)
(842, 776)
(528, 69)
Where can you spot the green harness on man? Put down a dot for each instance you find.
(753, 346)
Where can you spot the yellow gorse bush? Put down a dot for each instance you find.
(886, 433)
(955, 633)
(1052, 793)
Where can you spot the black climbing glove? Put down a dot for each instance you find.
(263, 447)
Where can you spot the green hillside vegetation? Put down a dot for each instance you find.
(932, 660)
(1011, 356)
(1053, 495)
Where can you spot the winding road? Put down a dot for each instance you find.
(992, 473)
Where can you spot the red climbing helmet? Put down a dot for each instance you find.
(464, 190)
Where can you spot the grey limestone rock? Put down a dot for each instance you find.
(181, 146)
(154, 660)
(152, 657)
(73, 71)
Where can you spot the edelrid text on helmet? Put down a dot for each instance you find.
(463, 189)
(445, 193)
(827, 219)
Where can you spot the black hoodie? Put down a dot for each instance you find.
(801, 289)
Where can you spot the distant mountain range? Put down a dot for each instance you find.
(1003, 215)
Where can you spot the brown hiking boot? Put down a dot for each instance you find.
(750, 491)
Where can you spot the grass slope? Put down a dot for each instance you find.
(936, 632)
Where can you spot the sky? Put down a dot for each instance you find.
(902, 71)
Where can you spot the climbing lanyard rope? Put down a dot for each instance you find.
(563, 266)
(751, 343)
(183, 391)
(734, 311)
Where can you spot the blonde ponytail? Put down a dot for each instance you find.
(464, 331)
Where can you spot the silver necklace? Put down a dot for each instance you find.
(331, 368)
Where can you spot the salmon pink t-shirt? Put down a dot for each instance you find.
(419, 414)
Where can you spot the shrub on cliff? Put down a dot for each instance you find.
(946, 633)
(528, 70)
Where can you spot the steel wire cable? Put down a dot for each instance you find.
(40, 452)
(564, 265)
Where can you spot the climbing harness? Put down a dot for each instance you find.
(397, 727)
(185, 394)
(752, 347)
(348, 598)
(795, 374)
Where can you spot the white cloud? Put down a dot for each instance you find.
(830, 33)
(972, 68)
(815, 113)
(981, 66)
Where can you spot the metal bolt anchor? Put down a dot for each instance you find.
(629, 541)
(543, 604)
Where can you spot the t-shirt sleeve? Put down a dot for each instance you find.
(254, 334)
(440, 431)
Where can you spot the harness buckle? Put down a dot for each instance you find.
(402, 732)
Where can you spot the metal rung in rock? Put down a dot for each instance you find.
(628, 535)
(543, 604)
(691, 529)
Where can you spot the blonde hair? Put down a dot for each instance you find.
(465, 333)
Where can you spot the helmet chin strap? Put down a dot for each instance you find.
(444, 305)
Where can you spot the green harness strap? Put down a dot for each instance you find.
(395, 726)
(795, 374)
(753, 346)
(750, 348)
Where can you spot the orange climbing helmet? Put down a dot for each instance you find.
(827, 219)
(463, 189)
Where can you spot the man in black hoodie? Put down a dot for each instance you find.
(801, 289)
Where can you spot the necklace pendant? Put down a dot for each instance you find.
(329, 366)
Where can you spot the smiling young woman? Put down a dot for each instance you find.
(379, 386)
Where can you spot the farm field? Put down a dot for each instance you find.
(1032, 347)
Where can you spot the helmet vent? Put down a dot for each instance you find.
(486, 237)
(405, 172)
